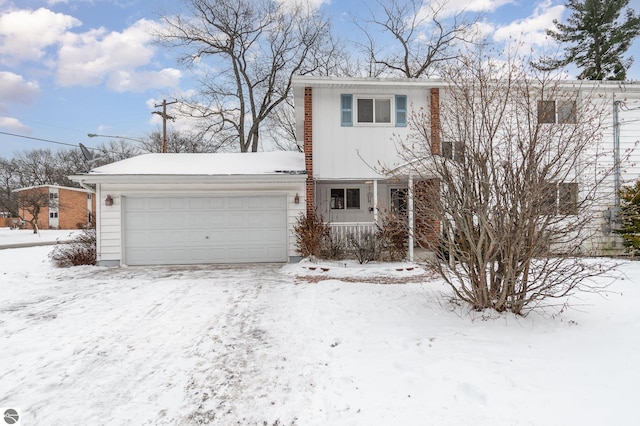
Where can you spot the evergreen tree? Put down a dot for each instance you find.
(595, 39)
(630, 216)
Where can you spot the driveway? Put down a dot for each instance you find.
(152, 345)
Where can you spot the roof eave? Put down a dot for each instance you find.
(182, 179)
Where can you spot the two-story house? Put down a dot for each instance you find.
(234, 208)
(59, 207)
(348, 127)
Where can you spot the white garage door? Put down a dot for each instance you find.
(191, 230)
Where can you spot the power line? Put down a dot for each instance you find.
(56, 142)
(39, 139)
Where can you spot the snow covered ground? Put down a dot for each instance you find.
(284, 345)
(26, 236)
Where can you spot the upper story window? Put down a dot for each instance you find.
(562, 112)
(53, 195)
(373, 110)
(453, 150)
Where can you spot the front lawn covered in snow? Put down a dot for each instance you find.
(274, 344)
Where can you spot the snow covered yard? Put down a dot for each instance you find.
(26, 236)
(259, 345)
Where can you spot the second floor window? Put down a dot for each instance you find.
(453, 150)
(562, 112)
(372, 110)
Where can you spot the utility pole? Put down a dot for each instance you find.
(165, 117)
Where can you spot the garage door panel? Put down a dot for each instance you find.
(267, 219)
(157, 203)
(134, 204)
(189, 230)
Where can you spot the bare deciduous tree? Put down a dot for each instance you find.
(281, 128)
(115, 150)
(31, 202)
(246, 52)
(8, 172)
(420, 36)
(516, 175)
(178, 142)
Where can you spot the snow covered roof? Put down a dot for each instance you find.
(256, 163)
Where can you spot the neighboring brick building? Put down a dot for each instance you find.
(67, 208)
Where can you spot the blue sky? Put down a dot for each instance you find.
(73, 67)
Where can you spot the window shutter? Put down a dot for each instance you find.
(346, 110)
(401, 111)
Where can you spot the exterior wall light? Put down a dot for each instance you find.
(108, 201)
(296, 199)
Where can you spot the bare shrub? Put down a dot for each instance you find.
(392, 235)
(365, 246)
(80, 251)
(333, 247)
(310, 231)
(518, 197)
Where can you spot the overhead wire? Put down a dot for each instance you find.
(51, 141)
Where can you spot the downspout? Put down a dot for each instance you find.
(616, 155)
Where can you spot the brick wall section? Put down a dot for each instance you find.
(427, 195)
(7, 222)
(43, 216)
(435, 121)
(308, 147)
(72, 209)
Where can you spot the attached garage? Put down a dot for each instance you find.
(203, 229)
(185, 209)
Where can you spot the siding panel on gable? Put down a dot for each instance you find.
(343, 152)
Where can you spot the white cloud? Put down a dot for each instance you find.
(314, 3)
(14, 125)
(531, 32)
(14, 88)
(25, 34)
(97, 56)
(448, 8)
(124, 81)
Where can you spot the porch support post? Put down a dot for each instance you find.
(375, 200)
(410, 214)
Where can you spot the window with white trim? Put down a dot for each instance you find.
(453, 150)
(373, 110)
(345, 198)
(561, 112)
(560, 198)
